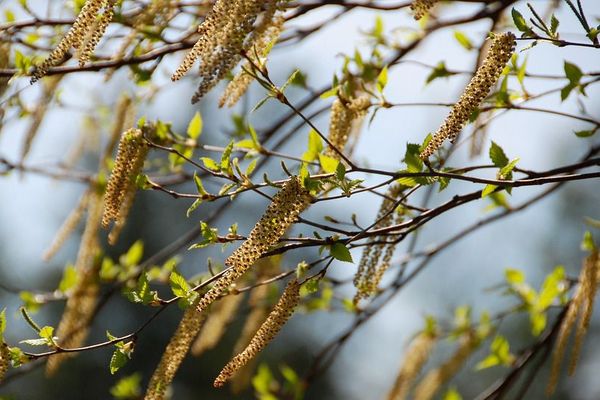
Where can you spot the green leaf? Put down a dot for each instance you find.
(588, 244)
(194, 128)
(514, 276)
(329, 164)
(452, 394)
(498, 156)
(199, 185)
(412, 159)
(586, 133)
(566, 91)
(262, 381)
(552, 288)
(118, 360)
(193, 207)
(134, 254)
(463, 40)
(520, 21)
(210, 163)
(315, 146)
(538, 322)
(127, 388)
(179, 285)
(506, 171)
(309, 287)
(340, 172)
(488, 362)
(487, 190)
(47, 333)
(69, 278)
(340, 252)
(554, 22)
(440, 71)
(382, 79)
(573, 73)
(225, 158)
(2, 323)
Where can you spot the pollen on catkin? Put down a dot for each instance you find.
(372, 265)
(4, 359)
(476, 91)
(436, 378)
(219, 317)
(342, 117)
(582, 304)
(416, 356)
(266, 333)
(121, 187)
(176, 350)
(67, 227)
(421, 7)
(73, 328)
(95, 33)
(84, 23)
(283, 211)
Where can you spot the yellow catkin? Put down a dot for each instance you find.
(372, 266)
(259, 309)
(434, 379)
(220, 316)
(287, 204)
(342, 117)
(173, 356)
(76, 35)
(421, 7)
(130, 158)
(73, 328)
(4, 359)
(266, 333)
(95, 33)
(416, 356)
(476, 91)
(67, 227)
(240, 83)
(38, 114)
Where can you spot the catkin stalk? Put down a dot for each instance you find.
(266, 333)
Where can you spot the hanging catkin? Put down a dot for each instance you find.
(476, 91)
(176, 350)
(287, 204)
(4, 359)
(421, 7)
(342, 117)
(266, 333)
(416, 356)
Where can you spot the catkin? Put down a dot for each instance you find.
(476, 91)
(220, 316)
(83, 24)
(176, 350)
(240, 83)
(342, 117)
(266, 333)
(416, 357)
(287, 204)
(582, 304)
(74, 324)
(434, 379)
(4, 359)
(121, 186)
(95, 33)
(421, 7)
(372, 265)
(67, 227)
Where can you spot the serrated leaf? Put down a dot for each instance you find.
(225, 158)
(554, 22)
(194, 128)
(179, 285)
(520, 21)
(315, 146)
(340, 252)
(329, 164)
(412, 159)
(506, 171)
(497, 155)
(117, 361)
(210, 163)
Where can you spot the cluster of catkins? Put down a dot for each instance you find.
(581, 305)
(421, 7)
(84, 35)
(121, 186)
(476, 91)
(229, 30)
(377, 255)
(344, 115)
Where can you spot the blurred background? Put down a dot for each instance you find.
(32, 207)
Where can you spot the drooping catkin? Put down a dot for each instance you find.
(240, 83)
(175, 352)
(476, 91)
(219, 317)
(67, 227)
(372, 265)
(38, 114)
(342, 117)
(95, 33)
(421, 7)
(436, 378)
(121, 186)
(4, 359)
(74, 38)
(287, 204)
(582, 304)
(73, 328)
(266, 333)
(416, 357)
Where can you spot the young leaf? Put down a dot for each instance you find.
(498, 156)
(118, 360)
(382, 79)
(520, 21)
(463, 40)
(328, 164)
(179, 285)
(340, 252)
(210, 163)
(194, 128)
